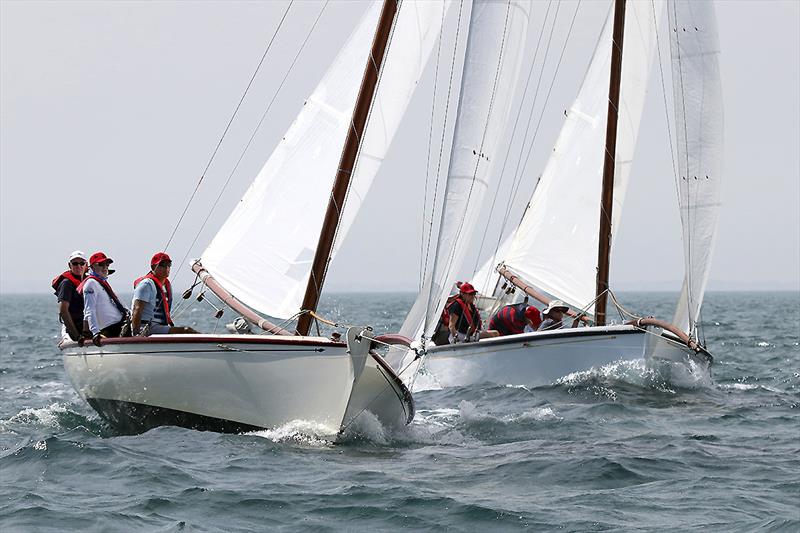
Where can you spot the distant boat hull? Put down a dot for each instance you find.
(235, 383)
(541, 358)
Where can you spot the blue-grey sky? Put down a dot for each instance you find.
(109, 112)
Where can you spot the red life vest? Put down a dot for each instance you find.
(165, 289)
(466, 313)
(106, 287)
(61, 277)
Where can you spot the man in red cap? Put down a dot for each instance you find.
(513, 319)
(464, 320)
(102, 310)
(152, 300)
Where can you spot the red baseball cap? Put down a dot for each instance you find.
(158, 258)
(467, 288)
(99, 257)
(533, 314)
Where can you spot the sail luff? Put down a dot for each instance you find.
(346, 164)
(697, 90)
(607, 194)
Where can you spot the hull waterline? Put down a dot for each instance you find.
(234, 383)
(541, 358)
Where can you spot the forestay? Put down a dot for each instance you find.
(495, 45)
(699, 122)
(555, 246)
(263, 252)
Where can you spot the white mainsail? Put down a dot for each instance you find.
(497, 32)
(555, 247)
(699, 127)
(263, 252)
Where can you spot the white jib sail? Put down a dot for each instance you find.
(495, 44)
(699, 132)
(555, 246)
(263, 252)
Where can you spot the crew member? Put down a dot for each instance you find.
(102, 310)
(513, 319)
(152, 300)
(70, 301)
(554, 316)
(464, 320)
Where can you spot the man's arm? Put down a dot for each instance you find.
(89, 307)
(136, 316)
(72, 330)
(451, 325)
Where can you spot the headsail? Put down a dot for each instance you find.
(263, 252)
(497, 33)
(555, 246)
(699, 126)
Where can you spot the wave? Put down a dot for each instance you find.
(302, 432)
(56, 416)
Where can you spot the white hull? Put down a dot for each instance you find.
(540, 358)
(234, 383)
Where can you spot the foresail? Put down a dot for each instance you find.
(699, 130)
(495, 45)
(418, 25)
(555, 246)
(263, 252)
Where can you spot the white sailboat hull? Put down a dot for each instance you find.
(234, 383)
(540, 358)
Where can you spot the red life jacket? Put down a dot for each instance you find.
(106, 287)
(61, 277)
(466, 312)
(166, 292)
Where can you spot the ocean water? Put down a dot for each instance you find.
(614, 448)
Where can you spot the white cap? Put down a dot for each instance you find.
(77, 254)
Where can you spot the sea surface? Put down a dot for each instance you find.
(613, 448)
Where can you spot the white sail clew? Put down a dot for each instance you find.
(263, 252)
(555, 246)
(699, 123)
(497, 32)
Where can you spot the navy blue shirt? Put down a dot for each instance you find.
(68, 292)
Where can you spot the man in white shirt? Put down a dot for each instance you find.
(102, 310)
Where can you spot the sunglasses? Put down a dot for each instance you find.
(165, 264)
(78, 263)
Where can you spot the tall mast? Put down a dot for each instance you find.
(607, 196)
(346, 164)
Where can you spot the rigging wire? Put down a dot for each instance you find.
(453, 248)
(687, 221)
(442, 142)
(517, 173)
(672, 149)
(227, 127)
(428, 162)
(513, 133)
(255, 131)
(541, 115)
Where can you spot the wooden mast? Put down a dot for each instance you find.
(346, 164)
(607, 196)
